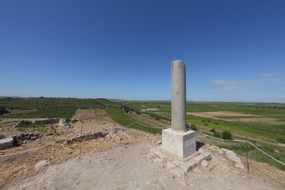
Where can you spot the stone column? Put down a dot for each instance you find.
(178, 103)
(176, 139)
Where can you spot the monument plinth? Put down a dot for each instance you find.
(176, 139)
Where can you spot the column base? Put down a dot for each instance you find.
(179, 143)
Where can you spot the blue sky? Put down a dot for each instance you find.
(234, 49)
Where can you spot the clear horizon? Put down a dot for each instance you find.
(234, 50)
(141, 100)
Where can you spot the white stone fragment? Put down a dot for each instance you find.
(41, 164)
(192, 163)
(6, 143)
(150, 156)
(157, 160)
(170, 165)
(178, 172)
(233, 157)
(221, 151)
(205, 163)
(158, 142)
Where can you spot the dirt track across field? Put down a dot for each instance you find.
(234, 116)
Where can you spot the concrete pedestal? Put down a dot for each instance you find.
(180, 143)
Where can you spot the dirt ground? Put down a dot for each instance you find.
(234, 116)
(125, 167)
(118, 161)
(18, 163)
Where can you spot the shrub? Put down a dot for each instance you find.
(217, 134)
(3, 111)
(193, 127)
(155, 117)
(281, 139)
(226, 135)
(212, 130)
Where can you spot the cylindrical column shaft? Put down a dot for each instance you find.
(178, 103)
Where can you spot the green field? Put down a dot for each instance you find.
(66, 108)
(48, 107)
(262, 130)
(122, 118)
(263, 134)
(266, 109)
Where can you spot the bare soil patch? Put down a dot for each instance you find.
(85, 114)
(234, 116)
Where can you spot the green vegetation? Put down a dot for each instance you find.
(244, 149)
(66, 108)
(267, 131)
(265, 109)
(48, 107)
(221, 129)
(122, 118)
(272, 132)
(216, 133)
(39, 128)
(3, 111)
(193, 127)
(280, 139)
(226, 135)
(156, 116)
(270, 110)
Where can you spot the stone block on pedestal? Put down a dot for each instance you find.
(180, 143)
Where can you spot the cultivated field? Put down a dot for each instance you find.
(236, 116)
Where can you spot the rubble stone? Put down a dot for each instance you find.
(66, 126)
(170, 165)
(26, 123)
(86, 136)
(46, 121)
(204, 163)
(2, 136)
(170, 161)
(41, 164)
(233, 157)
(24, 137)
